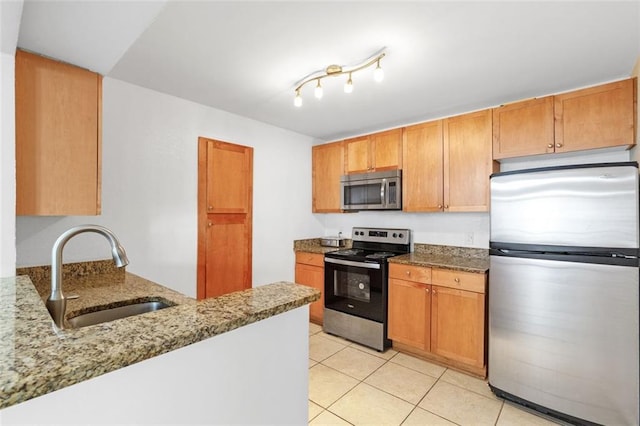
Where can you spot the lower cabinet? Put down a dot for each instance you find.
(310, 272)
(439, 314)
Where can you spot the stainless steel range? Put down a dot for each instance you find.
(356, 283)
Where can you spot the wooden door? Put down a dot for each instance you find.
(327, 167)
(523, 128)
(422, 175)
(467, 162)
(409, 313)
(58, 137)
(357, 158)
(597, 117)
(457, 325)
(386, 150)
(225, 209)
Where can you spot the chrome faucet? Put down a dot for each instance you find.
(57, 303)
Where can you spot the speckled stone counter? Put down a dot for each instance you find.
(36, 358)
(312, 245)
(446, 257)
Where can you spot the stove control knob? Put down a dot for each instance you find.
(395, 235)
(401, 235)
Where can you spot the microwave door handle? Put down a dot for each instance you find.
(382, 188)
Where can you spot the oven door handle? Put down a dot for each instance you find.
(352, 263)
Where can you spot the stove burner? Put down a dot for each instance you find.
(380, 255)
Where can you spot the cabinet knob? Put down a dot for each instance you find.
(439, 206)
(427, 290)
(407, 272)
(446, 206)
(210, 208)
(210, 224)
(433, 292)
(558, 145)
(457, 280)
(550, 145)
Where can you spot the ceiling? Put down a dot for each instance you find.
(443, 58)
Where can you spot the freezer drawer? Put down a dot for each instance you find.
(564, 336)
(577, 206)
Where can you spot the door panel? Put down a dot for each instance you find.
(228, 176)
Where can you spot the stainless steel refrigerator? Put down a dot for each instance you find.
(563, 291)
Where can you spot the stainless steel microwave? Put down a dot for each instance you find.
(372, 191)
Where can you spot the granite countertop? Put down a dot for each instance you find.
(312, 245)
(36, 358)
(446, 257)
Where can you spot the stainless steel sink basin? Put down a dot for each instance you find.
(111, 314)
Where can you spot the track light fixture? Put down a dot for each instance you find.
(336, 70)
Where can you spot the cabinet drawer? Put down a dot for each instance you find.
(315, 259)
(410, 273)
(459, 280)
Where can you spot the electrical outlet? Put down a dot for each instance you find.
(469, 238)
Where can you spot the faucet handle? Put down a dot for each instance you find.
(72, 297)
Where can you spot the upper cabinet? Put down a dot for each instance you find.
(376, 152)
(523, 128)
(58, 137)
(596, 117)
(467, 162)
(423, 172)
(447, 164)
(327, 167)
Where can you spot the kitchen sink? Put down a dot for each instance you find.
(111, 314)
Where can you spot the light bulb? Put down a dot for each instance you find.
(318, 91)
(378, 73)
(297, 101)
(348, 86)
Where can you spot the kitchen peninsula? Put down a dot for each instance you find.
(204, 361)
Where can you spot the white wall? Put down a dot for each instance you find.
(7, 167)
(10, 13)
(149, 190)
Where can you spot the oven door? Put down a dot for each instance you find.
(355, 288)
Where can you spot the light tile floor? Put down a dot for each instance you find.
(352, 384)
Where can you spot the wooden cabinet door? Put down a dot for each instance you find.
(313, 276)
(596, 117)
(468, 162)
(386, 150)
(523, 128)
(58, 137)
(327, 167)
(358, 155)
(457, 325)
(228, 178)
(409, 313)
(422, 174)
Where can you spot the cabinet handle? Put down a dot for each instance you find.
(550, 145)
(457, 280)
(558, 145)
